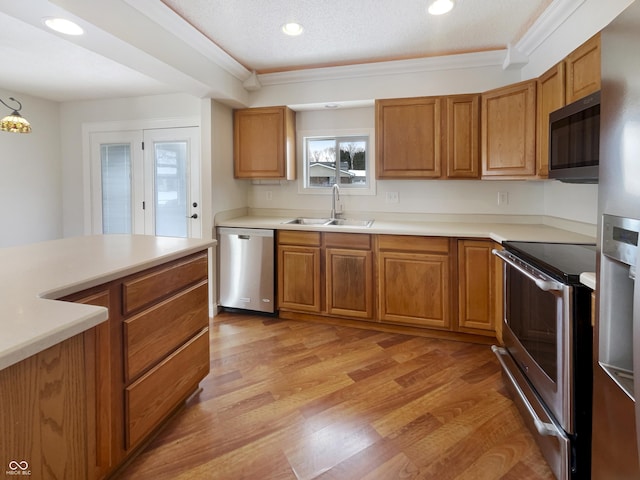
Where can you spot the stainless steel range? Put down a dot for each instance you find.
(546, 358)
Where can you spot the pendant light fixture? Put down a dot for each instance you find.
(15, 122)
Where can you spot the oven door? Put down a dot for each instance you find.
(537, 332)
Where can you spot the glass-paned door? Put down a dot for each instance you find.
(153, 190)
(172, 179)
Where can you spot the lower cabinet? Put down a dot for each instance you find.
(440, 283)
(146, 359)
(349, 275)
(414, 281)
(479, 287)
(299, 275)
(326, 273)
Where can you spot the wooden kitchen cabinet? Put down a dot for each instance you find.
(509, 131)
(478, 305)
(408, 136)
(299, 274)
(428, 137)
(156, 335)
(414, 281)
(550, 95)
(264, 143)
(583, 70)
(349, 275)
(462, 136)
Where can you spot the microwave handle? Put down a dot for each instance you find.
(543, 428)
(546, 284)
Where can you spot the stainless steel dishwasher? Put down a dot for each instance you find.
(247, 269)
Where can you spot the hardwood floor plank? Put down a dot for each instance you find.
(300, 400)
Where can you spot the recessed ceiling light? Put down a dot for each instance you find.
(440, 7)
(62, 25)
(292, 29)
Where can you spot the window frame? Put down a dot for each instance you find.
(367, 134)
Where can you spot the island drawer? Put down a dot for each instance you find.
(141, 291)
(158, 392)
(157, 331)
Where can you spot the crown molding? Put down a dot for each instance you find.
(178, 26)
(396, 67)
(547, 23)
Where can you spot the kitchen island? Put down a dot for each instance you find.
(80, 388)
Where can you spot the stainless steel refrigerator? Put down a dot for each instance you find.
(616, 416)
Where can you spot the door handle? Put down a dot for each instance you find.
(194, 216)
(545, 283)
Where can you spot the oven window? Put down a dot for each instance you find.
(532, 314)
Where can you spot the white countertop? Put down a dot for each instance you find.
(588, 279)
(499, 232)
(32, 276)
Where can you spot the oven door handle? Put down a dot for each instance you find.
(543, 428)
(546, 284)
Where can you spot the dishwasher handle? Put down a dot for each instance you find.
(244, 237)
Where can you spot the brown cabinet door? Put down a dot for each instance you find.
(299, 278)
(349, 276)
(408, 136)
(462, 136)
(476, 287)
(508, 131)
(98, 358)
(583, 70)
(414, 289)
(264, 143)
(550, 97)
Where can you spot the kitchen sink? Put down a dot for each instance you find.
(345, 222)
(309, 221)
(349, 222)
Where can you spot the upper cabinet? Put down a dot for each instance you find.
(577, 76)
(550, 97)
(264, 143)
(583, 70)
(462, 136)
(408, 135)
(427, 137)
(509, 131)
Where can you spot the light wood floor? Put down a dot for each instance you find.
(297, 400)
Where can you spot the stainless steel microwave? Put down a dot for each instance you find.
(574, 141)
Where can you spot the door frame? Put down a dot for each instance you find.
(89, 128)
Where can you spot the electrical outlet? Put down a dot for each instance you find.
(393, 197)
(503, 198)
(269, 195)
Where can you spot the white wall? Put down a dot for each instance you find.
(31, 182)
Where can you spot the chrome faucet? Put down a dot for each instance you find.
(336, 208)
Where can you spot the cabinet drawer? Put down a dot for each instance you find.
(348, 240)
(155, 332)
(139, 292)
(292, 237)
(151, 398)
(411, 243)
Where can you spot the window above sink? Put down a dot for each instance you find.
(342, 157)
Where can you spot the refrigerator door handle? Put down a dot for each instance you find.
(543, 428)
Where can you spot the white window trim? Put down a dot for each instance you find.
(302, 167)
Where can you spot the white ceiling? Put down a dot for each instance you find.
(143, 47)
(354, 31)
